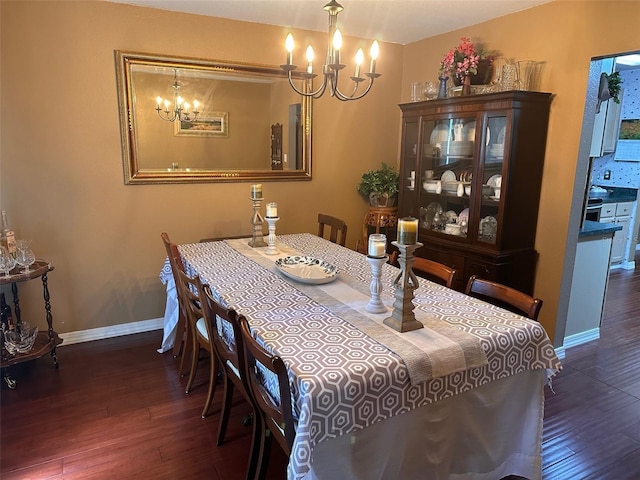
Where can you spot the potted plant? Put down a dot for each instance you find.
(380, 186)
(613, 84)
(609, 88)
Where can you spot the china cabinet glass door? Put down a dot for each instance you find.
(491, 175)
(448, 147)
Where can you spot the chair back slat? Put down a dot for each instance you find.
(277, 415)
(504, 296)
(434, 271)
(337, 228)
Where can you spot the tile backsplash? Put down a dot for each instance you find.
(623, 174)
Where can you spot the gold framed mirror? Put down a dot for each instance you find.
(235, 122)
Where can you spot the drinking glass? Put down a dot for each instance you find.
(7, 261)
(23, 244)
(25, 259)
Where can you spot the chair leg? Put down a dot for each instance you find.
(256, 445)
(195, 353)
(213, 374)
(226, 408)
(265, 451)
(180, 340)
(187, 350)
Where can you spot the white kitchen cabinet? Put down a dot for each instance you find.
(620, 214)
(606, 125)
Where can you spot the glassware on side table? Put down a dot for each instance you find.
(25, 258)
(7, 261)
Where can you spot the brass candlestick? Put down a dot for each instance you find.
(271, 249)
(375, 305)
(402, 318)
(256, 221)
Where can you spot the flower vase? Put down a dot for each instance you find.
(442, 88)
(466, 86)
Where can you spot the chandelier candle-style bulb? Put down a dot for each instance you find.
(407, 231)
(332, 67)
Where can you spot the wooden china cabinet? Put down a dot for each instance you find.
(471, 171)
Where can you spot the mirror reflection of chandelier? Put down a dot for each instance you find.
(180, 110)
(331, 69)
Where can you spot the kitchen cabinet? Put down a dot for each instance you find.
(619, 214)
(606, 125)
(470, 171)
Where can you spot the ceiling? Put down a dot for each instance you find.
(396, 21)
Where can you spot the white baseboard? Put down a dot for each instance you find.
(112, 331)
(580, 338)
(560, 352)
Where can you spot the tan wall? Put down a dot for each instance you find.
(564, 34)
(61, 170)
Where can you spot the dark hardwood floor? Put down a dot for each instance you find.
(116, 409)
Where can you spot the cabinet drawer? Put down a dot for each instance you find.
(623, 209)
(608, 210)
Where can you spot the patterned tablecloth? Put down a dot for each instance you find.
(343, 379)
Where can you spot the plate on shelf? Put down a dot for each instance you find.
(305, 269)
(448, 176)
(501, 134)
(493, 197)
(439, 134)
(463, 216)
(495, 181)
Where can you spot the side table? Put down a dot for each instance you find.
(375, 220)
(46, 342)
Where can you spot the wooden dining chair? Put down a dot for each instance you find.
(337, 228)
(182, 344)
(201, 334)
(274, 417)
(504, 296)
(229, 348)
(434, 271)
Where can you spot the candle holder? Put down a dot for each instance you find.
(402, 318)
(257, 239)
(375, 305)
(271, 248)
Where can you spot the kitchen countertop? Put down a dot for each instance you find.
(617, 194)
(592, 229)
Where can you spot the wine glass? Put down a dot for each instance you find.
(25, 258)
(23, 244)
(7, 261)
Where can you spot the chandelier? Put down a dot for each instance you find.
(331, 69)
(180, 109)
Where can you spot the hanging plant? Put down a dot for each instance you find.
(613, 83)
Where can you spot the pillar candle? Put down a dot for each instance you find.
(272, 210)
(377, 245)
(256, 190)
(408, 231)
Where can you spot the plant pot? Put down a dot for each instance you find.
(381, 200)
(482, 77)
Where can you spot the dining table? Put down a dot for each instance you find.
(461, 398)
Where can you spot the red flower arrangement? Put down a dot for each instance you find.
(461, 61)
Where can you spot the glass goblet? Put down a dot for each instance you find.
(7, 261)
(25, 259)
(23, 244)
